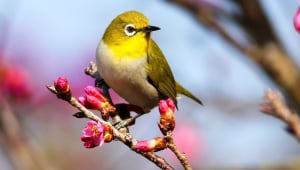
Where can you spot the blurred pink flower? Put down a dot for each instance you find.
(297, 20)
(92, 134)
(189, 140)
(15, 82)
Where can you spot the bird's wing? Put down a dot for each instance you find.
(161, 77)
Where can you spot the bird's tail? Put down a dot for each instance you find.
(185, 92)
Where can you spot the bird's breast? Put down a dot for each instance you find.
(127, 76)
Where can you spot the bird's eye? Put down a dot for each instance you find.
(130, 30)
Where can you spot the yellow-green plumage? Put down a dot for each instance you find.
(133, 65)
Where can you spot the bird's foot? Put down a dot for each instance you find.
(127, 122)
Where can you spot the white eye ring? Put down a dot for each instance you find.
(130, 30)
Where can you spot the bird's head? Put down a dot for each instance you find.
(129, 32)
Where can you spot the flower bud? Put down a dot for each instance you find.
(166, 106)
(153, 145)
(108, 134)
(62, 87)
(93, 103)
(93, 91)
(167, 118)
(94, 99)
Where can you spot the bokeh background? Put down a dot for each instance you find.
(41, 40)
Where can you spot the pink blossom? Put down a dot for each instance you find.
(94, 99)
(153, 145)
(82, 100)
(144, 145)
(190, 140)
(15, 82)
(166, 106)
(90, 102)
(297, 20)
(93, 91)
(167, 118)
(92, 134)
(61, 85)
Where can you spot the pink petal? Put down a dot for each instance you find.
(82, 100)
(93, 91)
(163, 107)
(61, 84)
(297, 20)
(171, 104)
(143, 145)
(92, 134)
(92, 102)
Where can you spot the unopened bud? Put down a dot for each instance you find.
(153, 145)
(62, 87)
(167, 118)
(93, 91)
(94, 99)
(108, 134)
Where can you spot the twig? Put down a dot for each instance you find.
(125, 138)
(275, 105)
(180, 155)
(91, 70)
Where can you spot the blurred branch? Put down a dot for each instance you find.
(21, 154)
(262, 48)
(275, 105)
(255, 22)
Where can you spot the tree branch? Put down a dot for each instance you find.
(125, 138)
(266, 52)
(275, 105)
(180, 155)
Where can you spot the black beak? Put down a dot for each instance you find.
(149, 28)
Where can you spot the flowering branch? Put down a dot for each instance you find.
(167, 125)
(126, 138)
(99, 130)
(275, 105)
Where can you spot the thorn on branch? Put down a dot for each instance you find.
(79, 115)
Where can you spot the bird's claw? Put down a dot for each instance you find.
(126, 122)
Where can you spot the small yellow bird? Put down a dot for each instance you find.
(132, 64)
